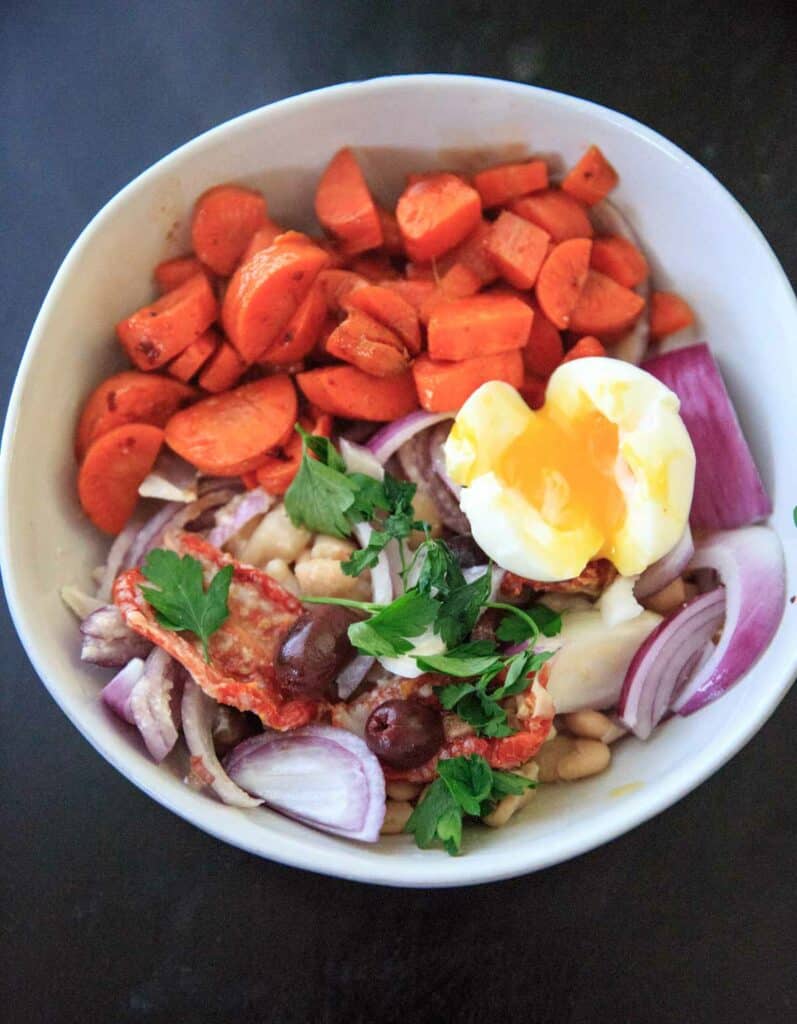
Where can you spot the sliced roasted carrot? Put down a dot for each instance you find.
(195, 356)
(336, 285)
(592, 179)
(561, 279)
(373, 266)
(112, 471)
(347, 391)
(366, 344)
(517, 248)
(156, 333)
(472, 254)
(392, 242)
(225, 218)
(498, 185)
(444, 386)
(478, 326)
(302, 330)
(388, 308)
(556, 212)
(604, 306)
(170, 274)
(533, 390)
(435, 214)
(344, 204)
(619, 259)
(460, 282)
(422, 272)
(281, 465)
(228, 434)
(262, 239)
(223, 371)
(669, 313)
(585, 347)
(265, 292)
(543, 351)
(416, 293)
(129, 397)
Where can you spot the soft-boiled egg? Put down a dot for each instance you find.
(605, 469)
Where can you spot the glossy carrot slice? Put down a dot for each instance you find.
(345, 207)
(561, 279)
(435, 213)
(264, 237)
(223, 371)
(444, 386)
(592, 179)
(517, 248)
(388, 308)
(302, 331)
(225, 218)
(604, 306)
(498, 185)
(112, 471)
(347, 391)
(556, 212)
(368, 345)
(170, 274)
(191, 359)
(619, 259)
(584, 348)
(478, 326)
(669, 313)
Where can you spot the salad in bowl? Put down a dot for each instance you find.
(421, 513)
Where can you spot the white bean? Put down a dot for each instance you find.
(279, 570)
(397, 814)
(275, 537)
(592, 725)
(589, 757)
(323, 577)
(331, 547)
(403, 790)
(512, 803)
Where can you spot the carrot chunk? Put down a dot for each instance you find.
(228, 434)
(556, 212)
(336, 285)
(543, 351)
(347, 391)
(112, 471)
(302, 331)
(223, 371)
(129, 397)
(415, 293)
(478, 326)
(459, 282)
(195, 356)
(592, 179)
(389, 309)
(281, 465)
(373, 266)
(669, 313)
(444, 386)
(392, 242)
(435, 213)
(620, 260)
(265, 292)
(170, 274)
(156, 333)
(604, 306)
(471, 253)
(344, 204)
(518, 248)
(584, 347)
(225, 218)
(533, 390)
(561, 279)
(262, 239)
(498, 185)
(366, 344)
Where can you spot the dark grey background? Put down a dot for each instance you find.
(116, 911)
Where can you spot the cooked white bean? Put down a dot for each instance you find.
(592, 725)
(668, 598)
(550, 754)
(403, 790)
(512, 803)
(614, 732)
(331, 547)
(397, 814)
(589, 757)
(279, 570)
(323, 577)
(275, 537)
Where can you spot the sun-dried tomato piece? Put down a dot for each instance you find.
(595, 578)
(242, 651)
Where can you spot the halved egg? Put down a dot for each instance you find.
(605, 469)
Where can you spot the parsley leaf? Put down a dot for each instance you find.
(466, 660)
(439, 569)
(320, 496)
(179, 597)
(514, 629)
(385, 633)
(460, 609)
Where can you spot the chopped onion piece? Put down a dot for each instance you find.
(390, 438)
(173, 516)
(728, 489)
(359, 459)
(79, 602)
(353, 674)
(240, 510)
(116, 694)
(666, 660)
(154, 706)
(750, 565)
(321, 776)
(117, 555)
(617, 603)
(170, 479)
(381, 577)
(657, 576)
(108, 640)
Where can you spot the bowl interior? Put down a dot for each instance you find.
(699, 241)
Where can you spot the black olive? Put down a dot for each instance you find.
(314, 652)
(403, 733)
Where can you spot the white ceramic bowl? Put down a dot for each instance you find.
(700, 242)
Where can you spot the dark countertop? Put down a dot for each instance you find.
(113, 910)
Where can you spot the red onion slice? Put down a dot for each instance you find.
(109, 641)
(321, 776)
(728, 488)
(173, 517)
(390, 438)
(360, 460)
(750, 565)
(668, 568)
(353, 674)
(116, 694)
(239, 511)
(171, 479)
(665, 661)
(153, 704)
(437, 438)
(117, 555)
(198, 711)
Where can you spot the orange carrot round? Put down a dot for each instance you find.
(543, 351)
(533, 390)
(129, 397)
(388, 308)
(416, 293)
(347, 391)
(344, 204)
(368, 345)
(592, 179)
(170, 274)
(336, 285)
(265, 292)
(619, 259)
(156, 333)
(604, 306)
(302, 331)
(517, 248)
(223, 370)
(392, 242)
(669, 313)
(225, 218)
(561, 279)
(556, 212)
(275, 474)
(585, 347)
(436, 213)
(112, 471)
(444, 386)
(195, 356)
(230, 433)
(262, 239)
(478, 326)
(498, 185)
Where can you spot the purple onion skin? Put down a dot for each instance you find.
(108, 641)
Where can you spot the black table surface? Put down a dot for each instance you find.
(114, 910)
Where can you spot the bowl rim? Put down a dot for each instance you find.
(427, 871)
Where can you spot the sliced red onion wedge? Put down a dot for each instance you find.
(390, 438)
(750, 565)
(353, 674)
(668, 568)
(239, 511)
(437, 438)
(116, 694)
(728, 488)
(415, 458)
(666, 660)
(108, 641)
(382, 592)
(173, 516)
(154, 705)
(171, 479)
(198, 712)
(116, 556)
(324, 777)
(359, 459)
(79, 602)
